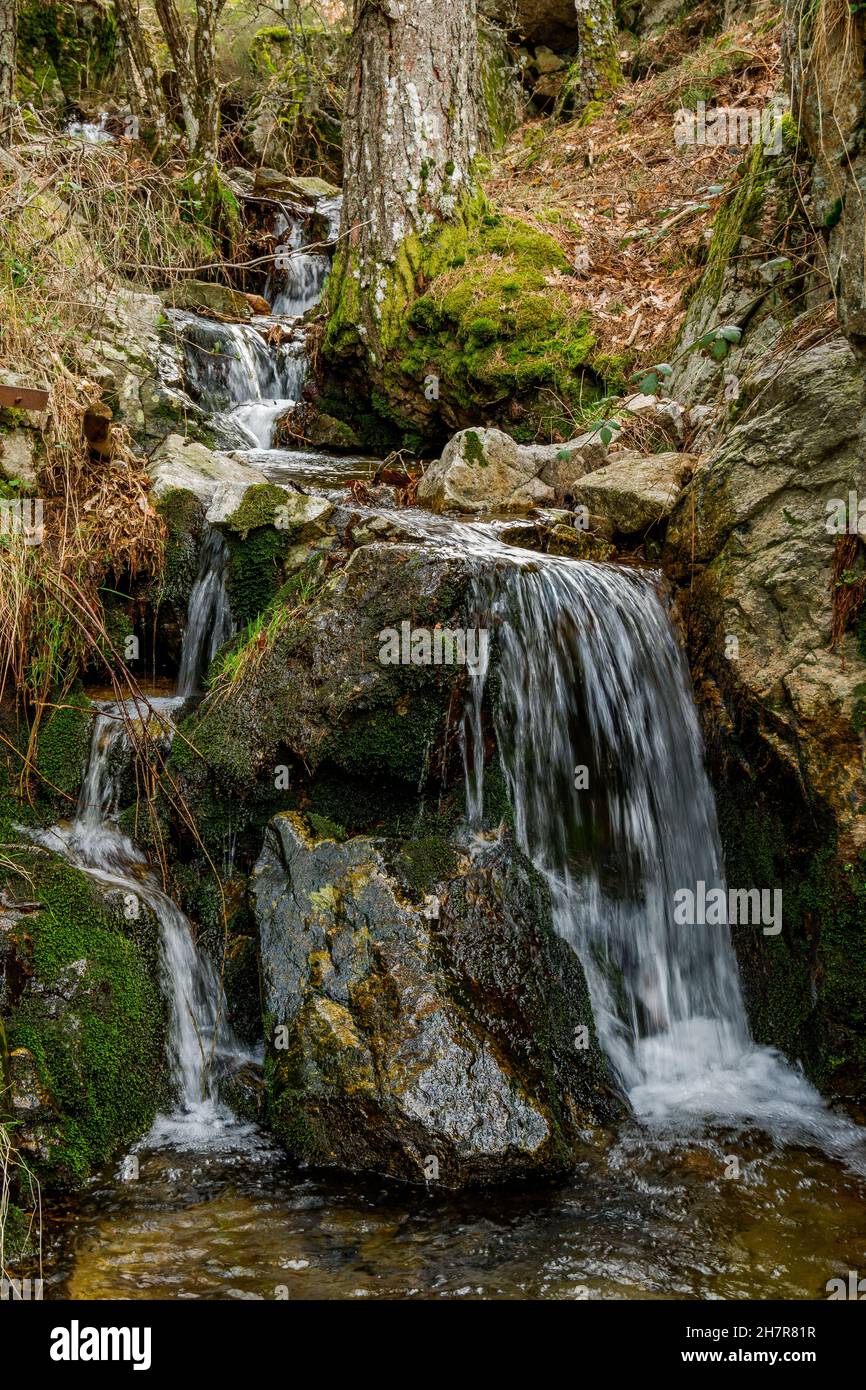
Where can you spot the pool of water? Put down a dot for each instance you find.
(720, 1215)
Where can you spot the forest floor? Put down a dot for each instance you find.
(630, 207)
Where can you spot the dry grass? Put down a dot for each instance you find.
(96, 520)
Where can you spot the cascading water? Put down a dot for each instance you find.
(209, 619)
(201, 1043)
(249, 375)
(302, 277)
(590, 676)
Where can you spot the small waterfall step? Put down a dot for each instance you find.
(601, 748)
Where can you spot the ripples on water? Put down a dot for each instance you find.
(641, 1220)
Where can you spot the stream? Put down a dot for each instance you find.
(732, 1179)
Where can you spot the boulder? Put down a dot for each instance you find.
(180, 463)
(754, 521)
(428, 1040)
(485, 470)
(210, 300)
(633, 492)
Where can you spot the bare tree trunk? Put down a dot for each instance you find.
(598, 70)
(142, 59)
(8, 31)
(410, 136)
(193, 54)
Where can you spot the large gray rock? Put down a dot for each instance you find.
(183, 463)
(485, 470)
(633, 492)
(428, 1041)
(137, 369)
(750, 540)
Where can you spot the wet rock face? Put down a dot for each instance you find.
(428, 1040)
(755, 521)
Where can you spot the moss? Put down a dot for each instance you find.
(734, 220)
(805, 989)
(64, 741)
(256, 551)
(183, 515)
(77, 44)
(389, 740)
(323, 828)
(475, 305)
(473, 449)
(425, 861)
(94, 1025)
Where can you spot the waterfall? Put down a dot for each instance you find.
(209, 619)
(248, 375)
(201, 1043)
(602, 752)
(302, 277)
(226, 363)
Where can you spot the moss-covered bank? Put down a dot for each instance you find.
(88, 1021)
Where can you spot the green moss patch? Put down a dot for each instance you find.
(94, 1025)
(477, 322)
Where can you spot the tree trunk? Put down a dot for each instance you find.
(142, 60)
(598, 70)
(410, 137)
(8, 29)
(194, 59)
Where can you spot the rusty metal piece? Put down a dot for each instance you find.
(23, 398)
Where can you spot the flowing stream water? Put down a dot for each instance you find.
(591, 677)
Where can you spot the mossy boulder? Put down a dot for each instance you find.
(270, 534)
(476, 325)
(305, 707)
(85, 1028)
(430, 1041)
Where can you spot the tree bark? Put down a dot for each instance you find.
(194, 58)
(410, 135)
(8, 47)
(142, 59)
(598, 62)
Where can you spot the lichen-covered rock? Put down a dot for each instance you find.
(430, 1040)
(486, 471)
(138, 367)
(755, 520)
(633, 492)
(185, 465)
(760, 578)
